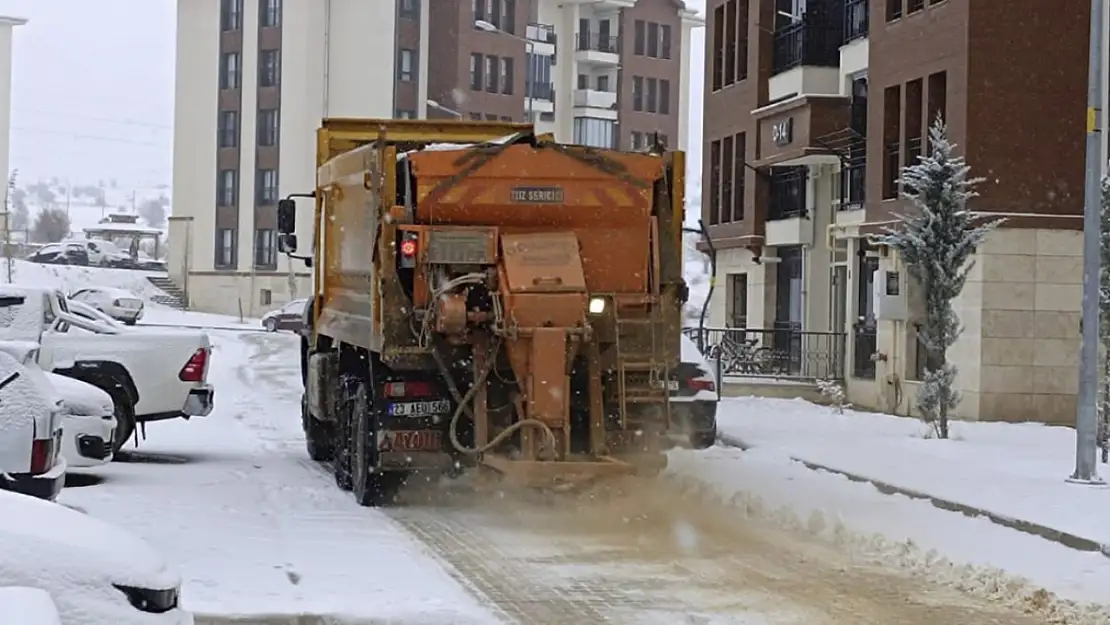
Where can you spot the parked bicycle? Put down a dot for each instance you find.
(741, 355)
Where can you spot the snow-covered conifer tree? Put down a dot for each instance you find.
(935, 240)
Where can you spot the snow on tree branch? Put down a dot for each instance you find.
(935, 240)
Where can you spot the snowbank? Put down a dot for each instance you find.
(1013, 470)
(28, 606)
(69, 278)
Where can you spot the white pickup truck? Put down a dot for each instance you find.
(152, 375)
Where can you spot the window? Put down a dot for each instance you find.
(479, 10)
(475, 116)
(491, 74)
(738, 177)
(476, 70)
(737, 300)
(637, 140)
(664, 97)
(715, 182)
(665, 42)
(406, 65)
(410, 9)
(229, 70)
(637, 93)
(225, 248)
(653, 40)
(405, 114)
(583, 81)
(506, 118)
(507, 17)
(265, 248)
(267, 127)
(271, 13)
(730, 42)
(225, 187)
(267, 186)
(638, 45)
(491, 117)
(265, 297)
(603, 83)
(893, 9)
(537, 83)
(229, 129)
(269, 69)
(595, 132)
(231, 15)
(507, 76)
(652, 95)
(728, 151)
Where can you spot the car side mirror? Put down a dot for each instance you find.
(287, 243)
(287, 216)
(308, 261)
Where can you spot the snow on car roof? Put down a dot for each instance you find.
(690, 352)
(66, 552)
(109, 290)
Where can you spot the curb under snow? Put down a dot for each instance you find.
(1066, 539)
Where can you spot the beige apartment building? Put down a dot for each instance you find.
(812, 107)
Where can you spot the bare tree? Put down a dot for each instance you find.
(153, 211)
(20, 216)
(51, 225)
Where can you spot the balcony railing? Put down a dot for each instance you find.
(787, 193)
(543, 33)
(598, 43)
(856, 16)
(812, 41)
(539, 90)
(784, 352)
(865, 342)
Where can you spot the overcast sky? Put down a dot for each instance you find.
(93, 90)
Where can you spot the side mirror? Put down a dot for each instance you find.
(308, 261)
(287, 216)
(287, 243)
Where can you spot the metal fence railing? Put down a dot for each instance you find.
(783, 353)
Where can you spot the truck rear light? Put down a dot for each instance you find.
(409, 389)
(42, 455)
(408, 248)
(407, 251)
(702, 384)
(195, 368)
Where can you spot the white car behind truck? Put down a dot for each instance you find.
(151, 375)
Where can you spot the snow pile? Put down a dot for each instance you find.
(69, 278)
(28, 606)
(894, 531)
(1014, 470)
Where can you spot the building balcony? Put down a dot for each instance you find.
(814, 41)
(597, 49)
(787, 194)
(542, 38)
(594, 99)
(539, 97)
(856, 16)
(791, 131)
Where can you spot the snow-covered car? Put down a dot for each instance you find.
(116, 303)
(151, 374)
(88, 422)
(694, 396)
(30, 433)
(288, 317)
(82, 309)
(95, 572)
(28, 606)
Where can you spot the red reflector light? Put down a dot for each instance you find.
(701, 384)
(195, 368)
(408, 247)
(42, 455)
(409, 389)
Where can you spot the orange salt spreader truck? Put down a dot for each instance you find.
(487, 297)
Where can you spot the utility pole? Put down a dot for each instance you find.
(1086, 417)
(8, 257)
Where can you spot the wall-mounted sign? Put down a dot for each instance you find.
(782, 131)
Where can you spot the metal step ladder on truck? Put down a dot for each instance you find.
(487, 297)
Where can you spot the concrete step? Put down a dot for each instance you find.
(171, 296)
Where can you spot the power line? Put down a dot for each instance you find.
(71, 135)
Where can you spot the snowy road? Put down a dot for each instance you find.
(262, 536)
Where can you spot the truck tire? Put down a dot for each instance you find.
(319, 437)
(371, 487)
(344, 434)
(124, 411)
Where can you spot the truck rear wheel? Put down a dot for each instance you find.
(319, 437)
(344, 434)
(370, 486)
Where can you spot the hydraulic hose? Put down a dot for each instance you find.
(464, 407)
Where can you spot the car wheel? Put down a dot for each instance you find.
(129, 322)
(270, 325)
(124, 411)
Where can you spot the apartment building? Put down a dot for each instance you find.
(254, 78)
(812, 107)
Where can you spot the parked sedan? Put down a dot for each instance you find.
(116, 303)
(93, 571)
(694, 397)
(288, 317)
(30, 433)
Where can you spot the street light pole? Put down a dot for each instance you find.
(1086, 417)
(529, 48)
(440, 107)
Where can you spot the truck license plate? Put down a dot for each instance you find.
(672, 385)
(419, 408)
(410, 440)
